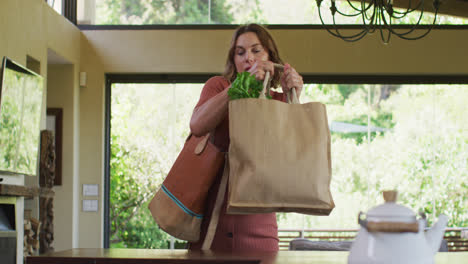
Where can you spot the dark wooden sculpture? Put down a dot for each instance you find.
(47, 162)
(46, 202)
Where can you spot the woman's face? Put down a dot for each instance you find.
(248, 50)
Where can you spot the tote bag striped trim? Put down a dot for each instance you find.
(180, 204)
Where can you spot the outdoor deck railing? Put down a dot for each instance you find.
(457, 237)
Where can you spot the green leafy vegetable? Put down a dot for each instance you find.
(245, 86)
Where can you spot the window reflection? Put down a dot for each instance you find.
(20, 113)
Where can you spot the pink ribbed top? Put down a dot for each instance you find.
(253, 232)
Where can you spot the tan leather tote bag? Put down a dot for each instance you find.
(179, 204)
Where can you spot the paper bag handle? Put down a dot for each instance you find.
(292, 94)
(266, 89)
(266, 86)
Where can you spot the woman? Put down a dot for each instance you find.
(253, 50)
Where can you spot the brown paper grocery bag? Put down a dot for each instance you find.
(279, 158)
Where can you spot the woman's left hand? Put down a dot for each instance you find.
(291, 79)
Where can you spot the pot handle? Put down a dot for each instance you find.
(388, 227)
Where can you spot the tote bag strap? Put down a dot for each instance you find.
(210, 233)
(291, 96)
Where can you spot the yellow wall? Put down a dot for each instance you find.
(30, 27)
(58, 78)
(310, 51)
(91, 143)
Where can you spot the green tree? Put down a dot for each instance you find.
(163, 12)
(130, 225)
(236, 12)
(21, 96)
(148, 128)
(423, 156)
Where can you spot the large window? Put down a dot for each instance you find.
(413, 138)
(149, 124)
(57, 5)
(212, 12)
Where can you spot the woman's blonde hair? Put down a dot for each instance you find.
(230, 71)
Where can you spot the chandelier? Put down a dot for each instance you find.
(379, 15)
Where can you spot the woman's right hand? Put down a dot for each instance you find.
(259, 69)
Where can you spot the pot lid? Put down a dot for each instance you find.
(391, 210)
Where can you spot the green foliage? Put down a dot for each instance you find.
(21, 97)
(149, 125)
(9, 129)
(237, 12)
(245, 86)
(129, 199)
(345, 90)
(248, 11)
(423, 156)
(163, 12)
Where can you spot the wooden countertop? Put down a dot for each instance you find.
(157, 256)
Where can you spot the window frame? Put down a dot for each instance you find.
(69, 10)
(268, 26)
(202, 78)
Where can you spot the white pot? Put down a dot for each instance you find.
(392, 234)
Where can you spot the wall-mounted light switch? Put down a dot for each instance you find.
(90, 205)
(90, 189)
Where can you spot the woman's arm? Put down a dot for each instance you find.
(207, 116)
